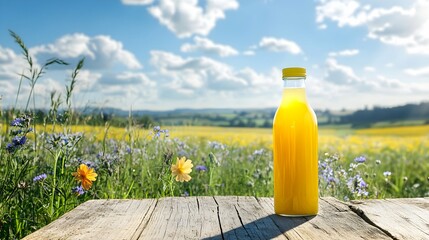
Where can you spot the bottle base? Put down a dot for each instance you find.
(295, 215)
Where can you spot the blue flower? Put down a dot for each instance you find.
(360, 159)
(78, 190)
(40, 177)
(387, 173)
(10, 147)
(157, 132)
(362, 184)
(258, 152)
(18, 141)
(17, 122)
(200, 168)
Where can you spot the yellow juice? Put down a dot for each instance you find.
(295, 155)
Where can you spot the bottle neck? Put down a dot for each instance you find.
(294, 89)
(294, 82)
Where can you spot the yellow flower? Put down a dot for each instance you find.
(85, 175)
(181, 169)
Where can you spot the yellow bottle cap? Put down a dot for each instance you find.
(294, 72)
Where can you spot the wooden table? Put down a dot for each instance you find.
(239, 218)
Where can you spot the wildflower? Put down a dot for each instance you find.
(333, 180)
(181, 169)
(17, 122)
(362, 184)
(85, 175)
(40, 177)
(78, 190)
(157, 132)
(378, 162)
(258, 152)
(216, 145)
(18, 141)
(185, 194)
(405, 179)
(200, 168)
(360, 159)
(10, 147)
(387, 173)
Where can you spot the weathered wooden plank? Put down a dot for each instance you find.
(239, 218)
(210, 226)
(75, 219)
(400, 218)
(256, 221)
(285, 225)
(232, 227)
(334, 221)
(106, 219)
(183, 218)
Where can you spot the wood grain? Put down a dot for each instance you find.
(232, 217)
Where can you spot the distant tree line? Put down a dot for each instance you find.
(261, 118)
(366, 117)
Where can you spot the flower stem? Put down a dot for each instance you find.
(54, 183)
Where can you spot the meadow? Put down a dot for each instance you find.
(48, 169)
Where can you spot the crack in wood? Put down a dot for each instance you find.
(334, 206)
(198, 204)
(362, 215)
(146, 223)
(218, 217)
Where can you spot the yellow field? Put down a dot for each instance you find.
(341, 140)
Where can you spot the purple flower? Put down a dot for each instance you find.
(17, 122)
(157, 132)
(18, 141)
(10, 147)
(128, 150)
(40, 177)
(362, 184)
(387, 173)
(258, 152)
(78, 190)
(200, 168)
(360, 159)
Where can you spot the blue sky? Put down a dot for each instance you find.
(167, 54)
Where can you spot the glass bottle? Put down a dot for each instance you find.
(295, 142)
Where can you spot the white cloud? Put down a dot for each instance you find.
(186, 17)
(194, 74)
(249, 53)
(11, 64)
(417, 72)
(137, 2)
(100, 51)
(86, 80)
(344, 53)
(339, 74)
(396, 25)
(369, 69)
(345, 76)
(205, 45)
(279, 45)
